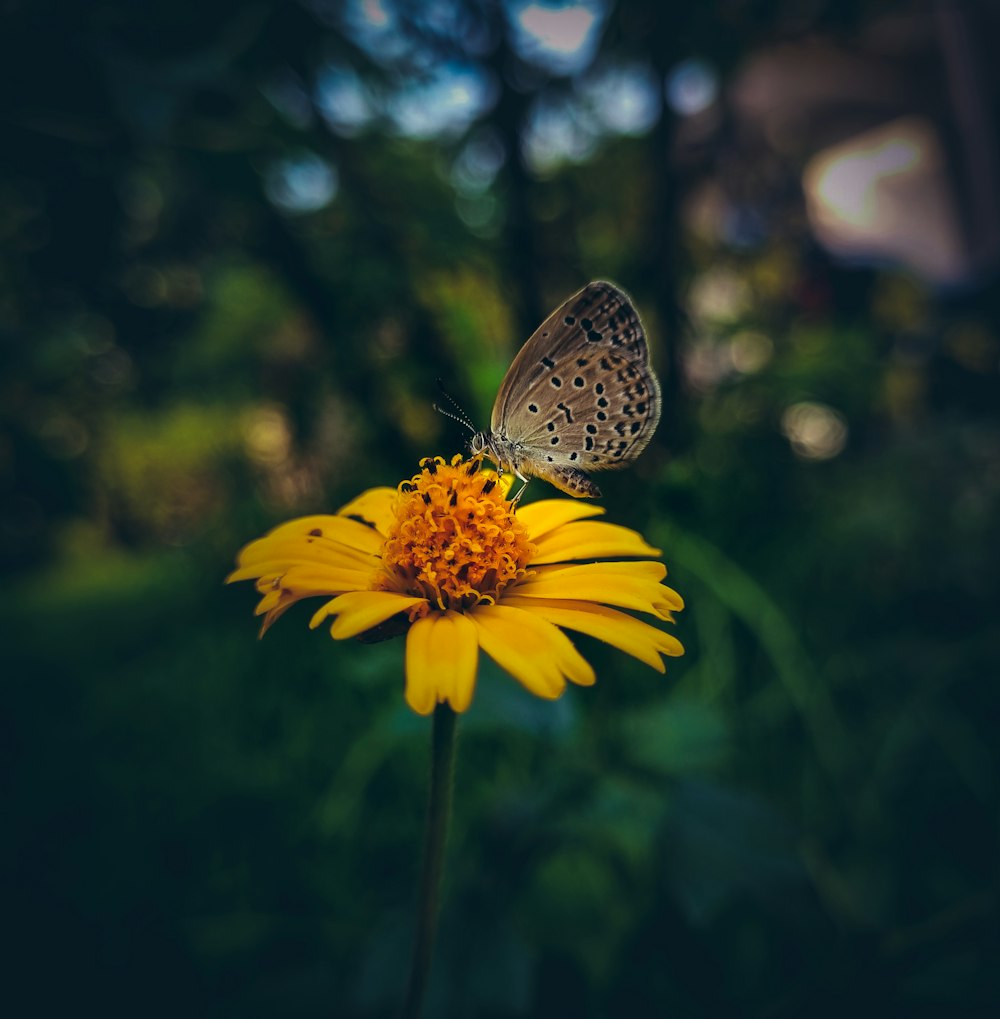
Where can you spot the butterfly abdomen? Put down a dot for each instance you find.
(572, 481)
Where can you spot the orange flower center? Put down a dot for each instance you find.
(455, 539)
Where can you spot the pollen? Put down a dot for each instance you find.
(455, 539)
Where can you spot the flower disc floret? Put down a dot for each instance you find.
(455, 540)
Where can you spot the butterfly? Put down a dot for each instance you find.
(581, 396)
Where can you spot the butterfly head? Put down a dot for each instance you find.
(502, 451)
(497, 448)
(479, 444)
(504, 454)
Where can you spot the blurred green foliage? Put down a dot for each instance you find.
(800, 818)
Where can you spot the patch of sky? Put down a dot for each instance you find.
(445, 101)
(624, 98)
(375, 26)
(557, 132)
(345, 101)
(560, 38)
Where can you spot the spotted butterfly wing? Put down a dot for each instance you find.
(580, 396)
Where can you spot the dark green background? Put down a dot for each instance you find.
(801, 818)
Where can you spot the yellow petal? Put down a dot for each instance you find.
(303, 581)
(301, 549)
(375, 506)
(442, 652)
(622, 631)
(531, 649)
(295, 534)
(358, 611)
(302, 525)
(361, 578)
(312, 574)
(463, 660)
(627, 585)
(591, 540)
(267, 602)
(645, 570)
(548, 514)
(322, 613)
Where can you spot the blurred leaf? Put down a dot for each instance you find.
(675, 737)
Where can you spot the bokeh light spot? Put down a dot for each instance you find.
(557, 133)
(479, 162)
(750, 351)
(446, 102)
(343, 100)
(815, 431)
(267, 435)
(847, 184)
(374, 13)
(625, 99)
(718, 295)
(692, 86)
(301, 184)
(885, 195)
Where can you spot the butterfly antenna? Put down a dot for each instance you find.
(456, 414)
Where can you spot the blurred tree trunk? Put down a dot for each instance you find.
(662, 264)
(520, 247)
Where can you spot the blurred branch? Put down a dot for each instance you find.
(662, 243)
(520, 248)
(975, 127)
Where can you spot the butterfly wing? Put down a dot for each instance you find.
(581, 393)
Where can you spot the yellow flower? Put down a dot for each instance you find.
(445, 558)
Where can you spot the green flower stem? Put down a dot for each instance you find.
(435, 837)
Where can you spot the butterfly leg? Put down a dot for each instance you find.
(524, 480)
(520, 491)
